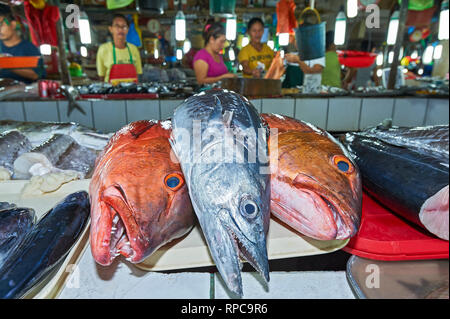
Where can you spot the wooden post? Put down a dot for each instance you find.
(398, 44)
(65, 74)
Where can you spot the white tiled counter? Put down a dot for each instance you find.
(122, 280)
(330, 113)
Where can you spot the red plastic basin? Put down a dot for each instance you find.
(356, 59)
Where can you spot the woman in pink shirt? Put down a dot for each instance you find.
(208, 62)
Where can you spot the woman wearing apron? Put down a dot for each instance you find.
(118, 61)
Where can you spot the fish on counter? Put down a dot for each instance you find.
(61, 153)
(315, 185)
(44, 246)
(15, 223)
(276, 69)
(139, 198)
(431, 140)
(12, 145)
(39, 132)
(6, 205)
(412, 184)
(231, 193)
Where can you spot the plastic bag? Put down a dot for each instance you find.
(286, 17)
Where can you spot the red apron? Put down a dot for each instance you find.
(122, 72)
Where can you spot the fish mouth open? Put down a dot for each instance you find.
(244, 247)
(227, 244)
(124, 235)
(119, 241)
(316, 214)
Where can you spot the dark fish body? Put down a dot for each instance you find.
(14, 225)
(6, 206)
(411, 184)
(60, 152)
(45, 246)
(429, 140)
(12, 145)
(228, 189)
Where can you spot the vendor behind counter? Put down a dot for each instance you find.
(256, 57)
(12, 44)
(118, 61)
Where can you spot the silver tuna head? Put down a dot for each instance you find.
(234, 218)
(229, 193)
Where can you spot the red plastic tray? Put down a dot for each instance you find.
(385, 236)
(356, 59)
(17, 62)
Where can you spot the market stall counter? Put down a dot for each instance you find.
(332, 113)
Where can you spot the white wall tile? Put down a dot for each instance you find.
(36, 111)
(409, 112)
(279, 106)
(343, 114)
(437, 112)
(257, 103)
(168, 107)
(313, 111)
(122, 280)
(290, 285)
(76, 116)
(142, 110)
(12, 111)
(374, 111)
(109, 116)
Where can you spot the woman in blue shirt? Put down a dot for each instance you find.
(11, 43)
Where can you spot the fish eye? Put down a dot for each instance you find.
(343, 164)
(174, 181)
(249, 208)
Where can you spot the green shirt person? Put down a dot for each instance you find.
(331, 74)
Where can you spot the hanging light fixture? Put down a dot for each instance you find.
(45, 49)
(271, 44)
(179, 54)
(180, 26)
(283, 39)
(393, 28)
(443, 21)
(428, 55)
(85, 28)
(352, 8)
(391, 57)
(245, 41)
(186, 46)
(380, 59)
(437, 52)
(231, 29)
(340, 28)
(231, 54)
(83, 51)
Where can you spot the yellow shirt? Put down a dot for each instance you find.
(250, 54)
(105, 59)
